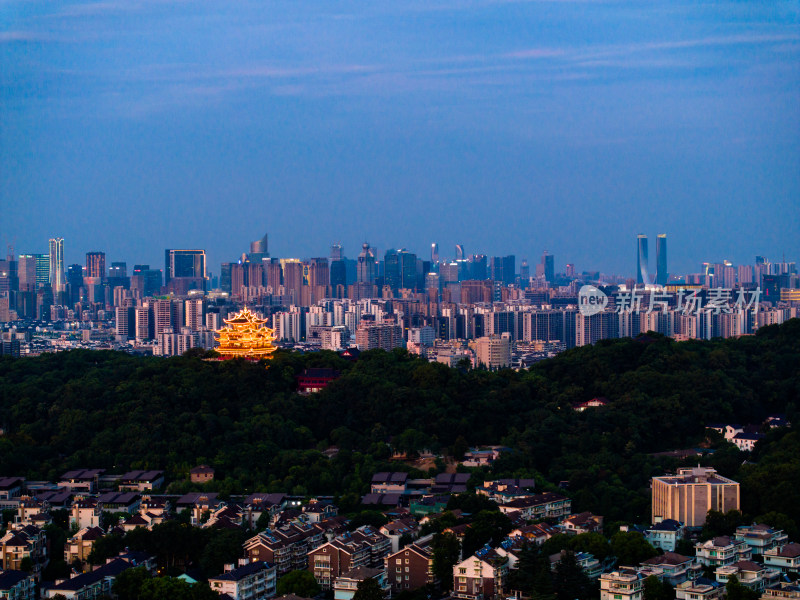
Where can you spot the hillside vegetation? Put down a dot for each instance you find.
(115, 411)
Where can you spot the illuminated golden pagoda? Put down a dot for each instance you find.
(245, 335)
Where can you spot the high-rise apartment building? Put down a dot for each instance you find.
(642, 276)
(662, 275)
(56, 273)
(494, 351)
(371, 336)
(193, 312)
(688, 496)
(96, 264)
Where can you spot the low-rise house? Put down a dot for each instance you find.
(28, 509)
(507, 490)
(783, 591)
(584, 522)
(482, 457)
(141, 481)
(411, 567)
(11, 487)
(250, 581)
(398, 528)
(314, 380)
(364, 547)
(624, 584)
(317, 511)
(699, 589)
(257, 504)
(747, 441)
(540, 506)
(673, 568)
(593, 403)
(586, 561)
(389, 483)
(785, 559)
(17, 585)
(55, 499)
(200, 506)
(482, 575)
(85, 512)
(225, 517)
(345, 586)
(538, 533)
(286, 546)
(665, 535)
(761, 538)
(722, 551)
(114, 502)
(79, 546)
(727, 430)
(750, 574)
(450, 483)
(201, 474)
(24, 544)
(94, 584)
(81, 480)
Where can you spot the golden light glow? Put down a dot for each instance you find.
(245, 335)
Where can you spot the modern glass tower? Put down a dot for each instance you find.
(662, 276)
(642, 275)
(57, 274)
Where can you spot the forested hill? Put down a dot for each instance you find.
(115, 411)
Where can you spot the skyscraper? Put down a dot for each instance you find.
(96, 264)
(259, 246)
(184, 263)
(56, 272)
(365, 270)
(548, 263)
(434, 253)
(661, 259)
(460, 255)
(42, 269)
(642, 275)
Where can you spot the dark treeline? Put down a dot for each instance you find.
(115, 411)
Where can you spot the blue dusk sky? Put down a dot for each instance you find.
(130, 126)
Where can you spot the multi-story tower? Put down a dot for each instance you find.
(26, 271)
(642, 275)
(56, 266)
(548, 262)
(434, 253)
(184, 263)
(662, 276)
(460, 254)
(96, 265)
(688, 496)
(194, 314)
(365, 267)
(42, 269)
(293, 278)
(259, 249)
(494, 351)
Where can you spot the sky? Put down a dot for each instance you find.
(511, 127)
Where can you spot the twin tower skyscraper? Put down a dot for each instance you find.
(642, 272)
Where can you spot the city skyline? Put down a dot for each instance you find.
(559, 265)
(507, 126)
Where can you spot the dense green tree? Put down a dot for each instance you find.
(631, 548)
(446, 551)
(569, 580)
(128, 584)
(655, 589)
(734, 590)
(369, 589)
(302, 583)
